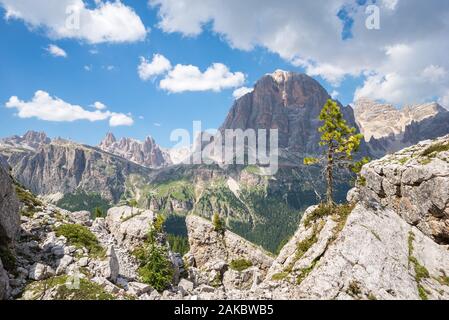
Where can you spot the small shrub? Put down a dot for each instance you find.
(158, 224)
(218, 223)
(371, 296)
(80, 236)
(179, 244)
(98, 213)
(155, 267)
(133, 203)
(240, 264)
(354, 289)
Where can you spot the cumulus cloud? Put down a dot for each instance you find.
(157, 66)
(56, 51)
(45, 107)
(120, 119)
(189, 78)
(394, 62)
(106, 22)
(240, 92)
(99, 106)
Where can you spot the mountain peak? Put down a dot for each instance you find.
(146, 153)
(280, 76)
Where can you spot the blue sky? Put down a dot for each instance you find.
(27, 67)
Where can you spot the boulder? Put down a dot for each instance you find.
(110, 267)
(129, 226)
(40, 271)
(82, 217)
(209, 246)
(138, 289)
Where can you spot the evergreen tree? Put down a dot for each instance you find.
(340, 142)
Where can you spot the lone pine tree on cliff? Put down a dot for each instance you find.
(340, 141)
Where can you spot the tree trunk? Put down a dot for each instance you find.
(330, 176)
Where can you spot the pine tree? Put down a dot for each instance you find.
(340, 141)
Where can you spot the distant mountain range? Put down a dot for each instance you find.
(388, 129)
(128, 169)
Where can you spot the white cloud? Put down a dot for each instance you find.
(189, 78)
(240, 92)
(56, 51)
(157, 124)
(309, 34)
(107, 22)
(120, 119)
(99, 106)
(88, 68)
(45, 107)
(157, 66)
(335, 94)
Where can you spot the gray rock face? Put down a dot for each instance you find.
(9, 210)
(389, 129)
(62, 166)
(207, 245)
(289, 102)
(414, 183)
(4, 282)
(146, 153)
(370, 259)
(129, 226)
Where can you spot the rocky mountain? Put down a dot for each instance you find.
(62, 167)
(388, 129)
(390, 241)
(289, 102)
(146, 153)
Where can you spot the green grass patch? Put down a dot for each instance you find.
(420, 271)
(422, 293)
(181, 190)
(87, 290)
(341, 212)
(240, 264)
(31, 202)
(434, 149)
(303, 273)
(80, 236)
(279, 276)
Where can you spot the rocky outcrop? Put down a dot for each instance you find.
(391, 243)
(208, 245)
(146, 153)
(9, 210)
(376, 256)
(414, 183)
(129, 226)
